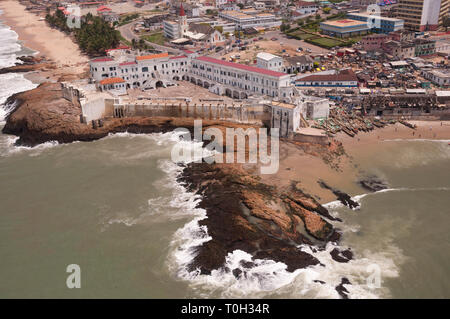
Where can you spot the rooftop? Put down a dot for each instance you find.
(152, 56)
(241, 66)
(344, 75)
(345, 23)
(367, 14)
(102, 60)
(112, 81)
(266, 56)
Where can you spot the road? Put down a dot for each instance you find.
(127, 32)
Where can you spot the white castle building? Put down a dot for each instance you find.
(124, 71)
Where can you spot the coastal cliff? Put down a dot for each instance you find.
(42, 114)
(242, 212)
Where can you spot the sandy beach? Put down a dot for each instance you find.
(305, 169)
(37, 35)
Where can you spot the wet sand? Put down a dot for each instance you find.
(37, 35)
(296, 165)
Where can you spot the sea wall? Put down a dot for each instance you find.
(254, 114)
(314, 139)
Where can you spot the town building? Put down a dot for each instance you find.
(343, 78)
(373, 42)
(183, 31)
(306, 7)
(439, 77)
(400, 50)
(248, 19)
(424, 47)
(109, 16)
(269, 61)
(422, 15)
(378, 23)
(298, 64)
(402, 35)
(190, 10)
(344, 28)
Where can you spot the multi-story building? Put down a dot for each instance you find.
(402, 35)
(373, 42)
(148, 71)
(378, 23)
(244, 20)
(424, 47)
(239, 80)
(422, 15)
(400, 50)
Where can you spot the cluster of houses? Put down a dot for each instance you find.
(399, 44)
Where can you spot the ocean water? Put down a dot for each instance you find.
(113, 207)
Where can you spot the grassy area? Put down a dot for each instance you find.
(299, 35)
(325, 42)
(157, 38)
(125, 19)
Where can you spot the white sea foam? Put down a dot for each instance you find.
(417, 140)
(270, 278)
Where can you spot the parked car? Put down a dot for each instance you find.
(274, 39)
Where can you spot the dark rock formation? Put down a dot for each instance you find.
(343, 292)
(42, 114)
(373, 183)
(28, 64)
(343, 256)
(245, 214)
(341, 196)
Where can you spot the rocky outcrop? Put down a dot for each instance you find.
(344, 198)
(245, 214)
(28, 64)
(373, 183)
(242, 212)
(342, 291)
(42, 114)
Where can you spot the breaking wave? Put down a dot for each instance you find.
(267, 278)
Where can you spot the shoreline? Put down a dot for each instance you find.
(36, 35)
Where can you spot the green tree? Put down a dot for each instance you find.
(284, 27)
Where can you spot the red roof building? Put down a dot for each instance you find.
(182, 13)
(103, 9)
(241, 66)
(102, 60)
